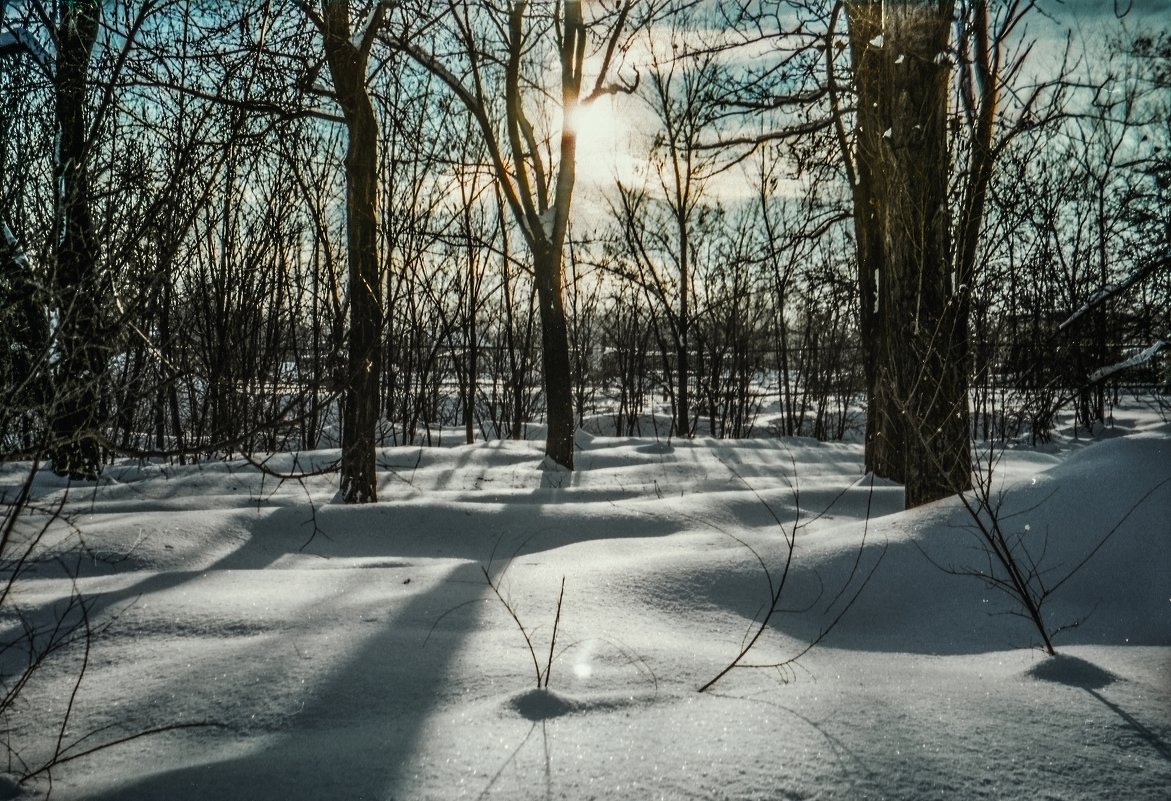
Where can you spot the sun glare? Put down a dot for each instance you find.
(594, 119)
(601, 138)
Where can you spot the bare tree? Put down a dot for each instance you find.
(23, 382)
(347, 54)
(662, 222)
(77, 281)
(499, 55)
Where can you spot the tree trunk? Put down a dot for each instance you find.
(548, 269)
(347, 64)
(914, 344)
(77, 402)
(865, 20)
(548, 227)
(539, 203)
(548, 255)
(985, 79)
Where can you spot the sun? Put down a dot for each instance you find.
(602, 138)
(594, 119)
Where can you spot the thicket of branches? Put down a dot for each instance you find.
(717, 279)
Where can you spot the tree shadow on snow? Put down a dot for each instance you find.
(1081, 674)
(1073, 672)
(355, 735)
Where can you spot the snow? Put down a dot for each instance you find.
(1140, 358)
(11, 247)
(358, 652)
(1111, 290)
(548, 219)
(362, 31)
(17, 40)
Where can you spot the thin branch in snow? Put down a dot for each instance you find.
(10, 247)
(1111, 290)
(17, 40)
(1142, 357)
(772, 605)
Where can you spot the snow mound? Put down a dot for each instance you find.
(1072, 671)
(545, 704)
(1096, 524)
(9, 787)
(358, 652)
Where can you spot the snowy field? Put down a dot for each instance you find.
(360, 653)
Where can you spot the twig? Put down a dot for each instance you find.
(776, 588)
(524, 632)
(553, 639)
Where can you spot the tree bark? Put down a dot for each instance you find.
(546, 220)
(538, 196)
(915, 348)
(347, 64)
(548, 268)
(865, 21)
(984, 77)
(77, 397)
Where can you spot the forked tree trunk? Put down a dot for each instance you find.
(916, 359)
(538, 197)
(347, 64)
(547, 228)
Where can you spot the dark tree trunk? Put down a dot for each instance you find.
(547, 264)
(549, 247)
(77, 402)
(683, 343)
(915, 342)
(538, 196)
(865, 20)
(984, 79)
(547, 226)
(347, 64)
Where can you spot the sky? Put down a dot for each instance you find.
(616, 130)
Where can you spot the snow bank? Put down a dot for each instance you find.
(359, 653)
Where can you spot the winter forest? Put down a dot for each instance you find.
(760, 377)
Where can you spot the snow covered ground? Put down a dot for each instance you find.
(359, 653)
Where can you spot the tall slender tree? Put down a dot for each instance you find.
(77, 401)
(347, 53)
(660, 220)
(23, 321)
(536, 178)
